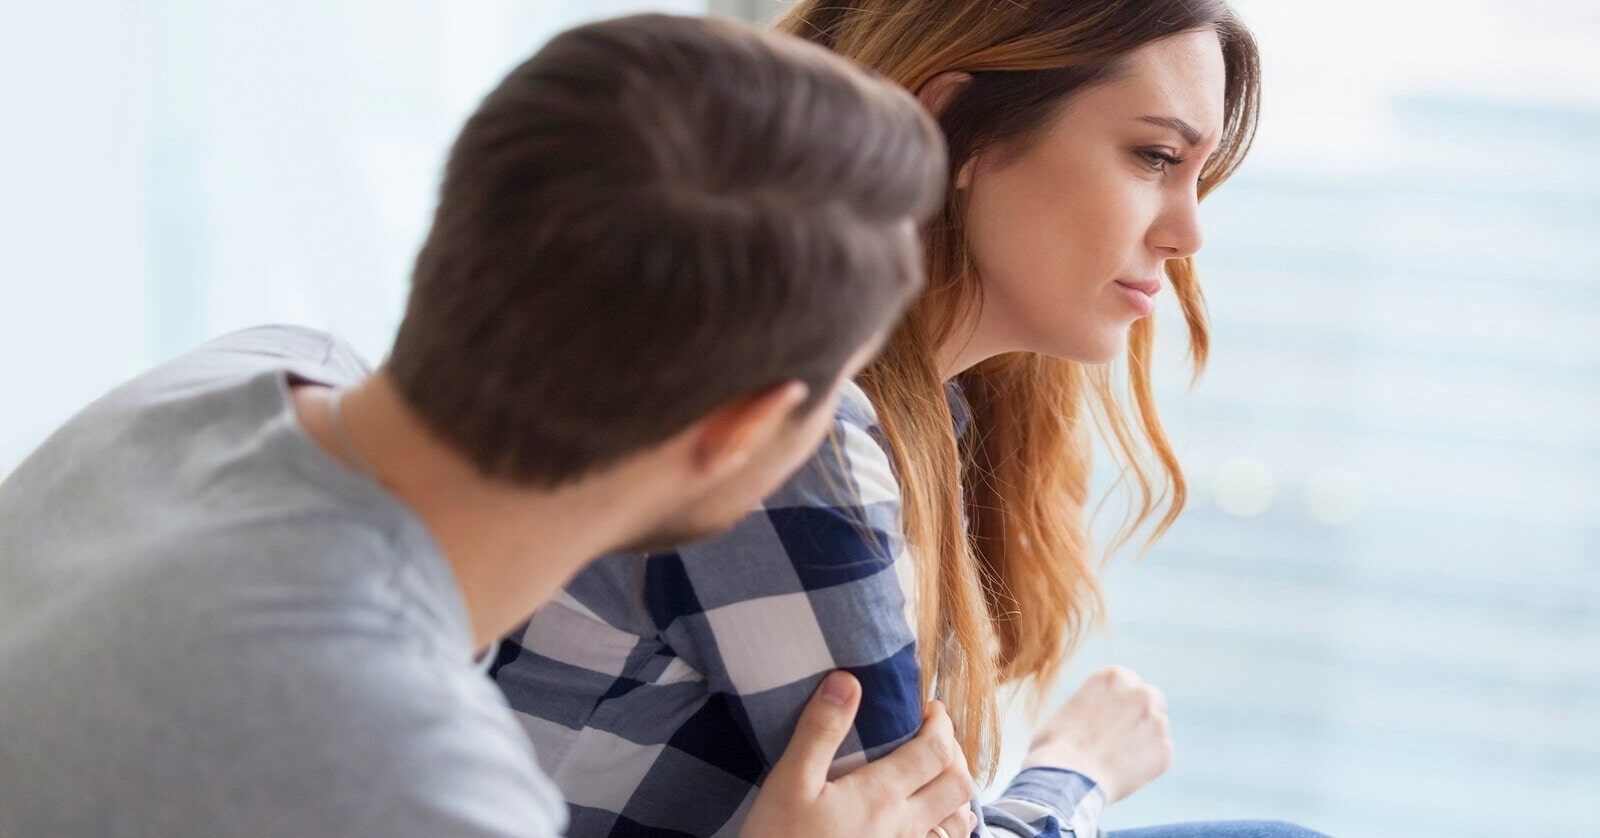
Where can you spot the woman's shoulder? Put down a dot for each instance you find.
(836, 519)
(851, 469)
(855, 408)
(820, 558)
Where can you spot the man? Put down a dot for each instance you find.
(242, 594)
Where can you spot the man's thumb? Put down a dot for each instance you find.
(823, 726)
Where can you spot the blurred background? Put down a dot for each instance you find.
(1380, 615)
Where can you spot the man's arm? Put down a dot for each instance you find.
(367, 735)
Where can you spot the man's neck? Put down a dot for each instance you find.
(511, 548)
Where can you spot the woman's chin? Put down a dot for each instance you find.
(1106, 349)
(1098, 343)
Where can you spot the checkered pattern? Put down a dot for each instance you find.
(659, 692)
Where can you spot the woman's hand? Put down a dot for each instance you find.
(923, 784)
(1113, 730)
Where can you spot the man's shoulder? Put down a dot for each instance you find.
(306, 352)
(221, 367)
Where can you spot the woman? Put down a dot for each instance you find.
(938, 544)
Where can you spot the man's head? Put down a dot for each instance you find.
(665, 233)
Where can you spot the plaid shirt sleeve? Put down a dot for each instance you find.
(748, 624)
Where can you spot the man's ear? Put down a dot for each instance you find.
(726, 439)
(936, 94)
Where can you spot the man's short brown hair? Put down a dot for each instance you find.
(649, 218)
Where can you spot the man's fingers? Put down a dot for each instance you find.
(959, 824)
(947, 792)
(823, 726)
(916, 763)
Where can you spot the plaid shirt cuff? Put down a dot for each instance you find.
(1048, 802)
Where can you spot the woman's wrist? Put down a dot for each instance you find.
(1067, 759)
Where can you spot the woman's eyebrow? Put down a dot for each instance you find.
(1190, 134)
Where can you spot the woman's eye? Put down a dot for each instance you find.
(1158, 160)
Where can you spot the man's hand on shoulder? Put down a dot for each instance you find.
(922, 785)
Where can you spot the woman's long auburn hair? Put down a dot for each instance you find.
(1001, 512)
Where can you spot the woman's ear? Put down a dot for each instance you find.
(936, 94)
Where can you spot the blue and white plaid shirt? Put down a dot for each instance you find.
(658, 693)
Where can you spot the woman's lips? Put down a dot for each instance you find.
(1140, 295)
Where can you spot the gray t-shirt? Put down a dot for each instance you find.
(209, 627)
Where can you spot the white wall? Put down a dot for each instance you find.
(175, 169)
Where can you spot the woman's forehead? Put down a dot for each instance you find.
(1177, 82)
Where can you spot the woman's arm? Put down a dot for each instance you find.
(920, 787)
(806, 585)
(1046, 802)
(819, 579)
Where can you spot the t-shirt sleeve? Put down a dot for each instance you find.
(357, 739)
